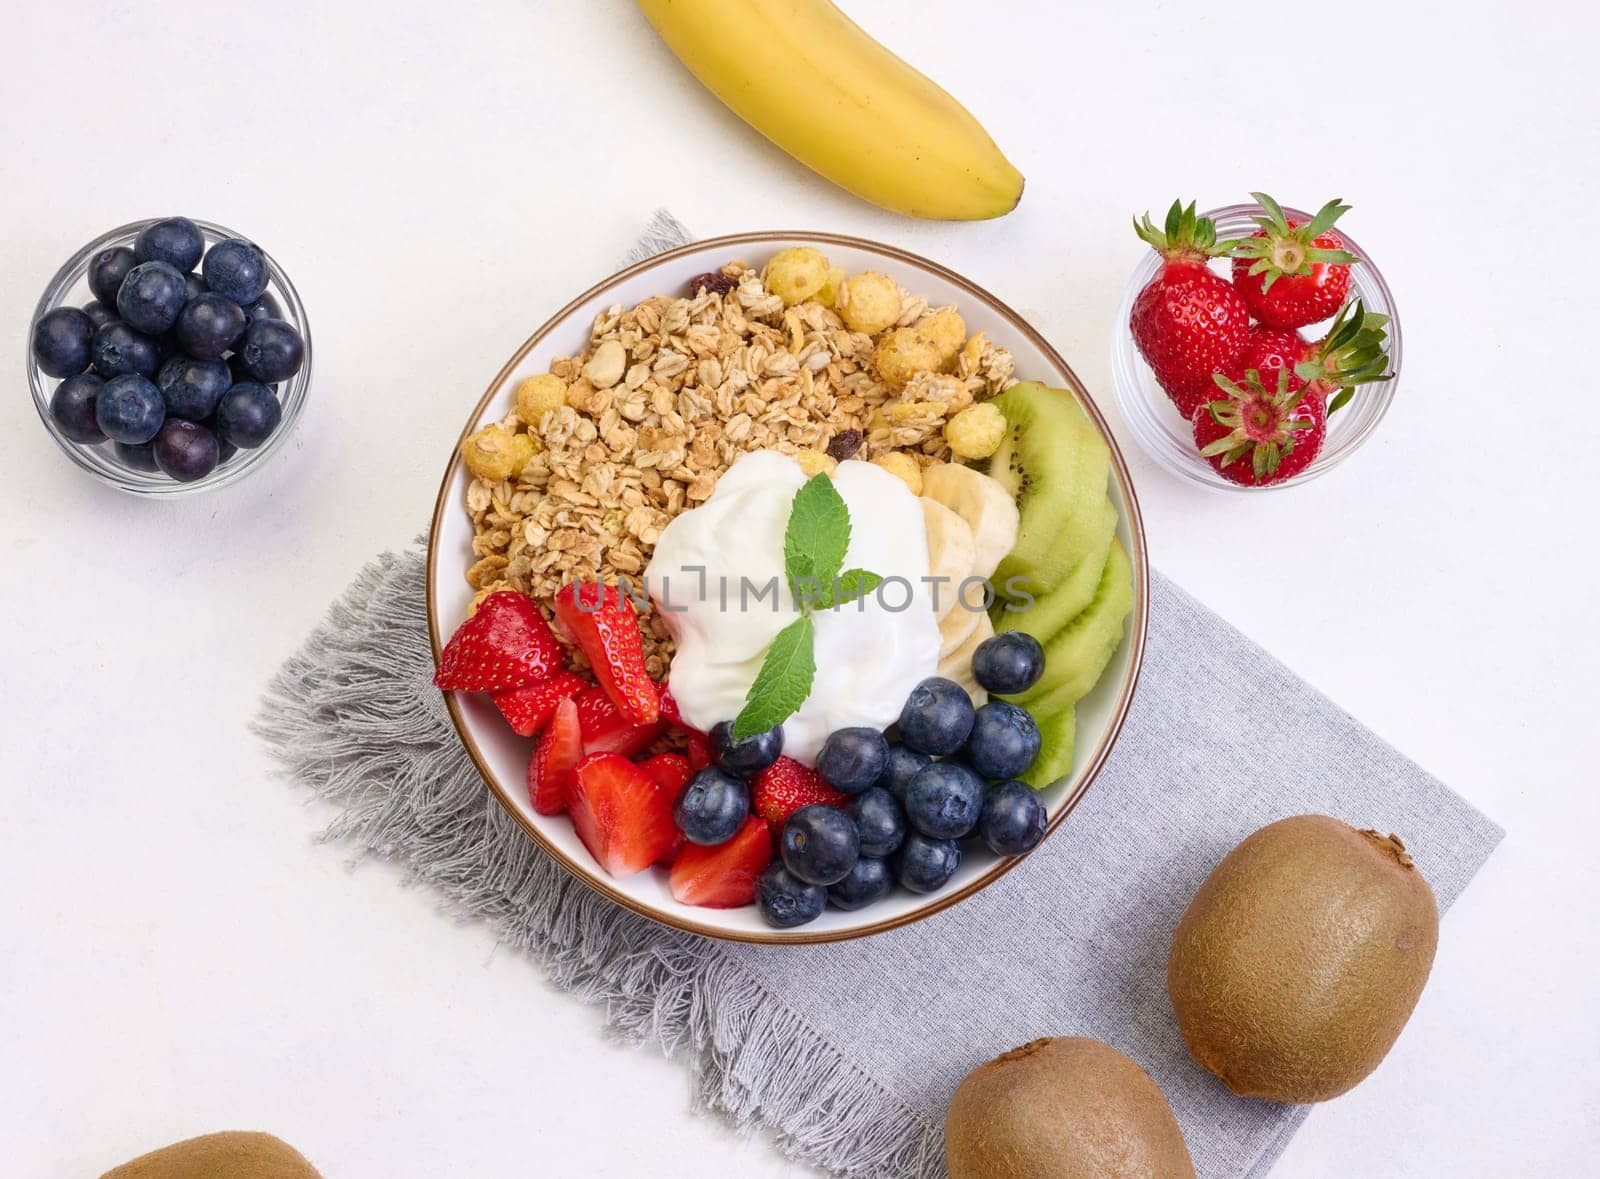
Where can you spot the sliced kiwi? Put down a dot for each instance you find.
(1052, 609)
(1055, 464)
(1058, 734)
(1076, 656)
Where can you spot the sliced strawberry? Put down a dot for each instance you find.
(601, 620)
(558, 752)
(622, 816)
(506, 644)
(606, 730)
(696, 745)
(723, 877)
(784, 787)
(527, 710)
(671, 773)
(697, 748)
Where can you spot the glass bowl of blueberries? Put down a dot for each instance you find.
(169, 356)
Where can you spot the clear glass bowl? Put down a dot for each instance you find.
(70, 287)
(1162, 431)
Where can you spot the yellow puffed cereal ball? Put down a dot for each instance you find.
(945, 331)
(496, 452)
(903, 467)
(901, 355)
(537, 396)
(815, 462)
(976, 432)
(796, 274)
(828, 296)
(869, 302)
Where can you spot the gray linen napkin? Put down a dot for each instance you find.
(1072, 942)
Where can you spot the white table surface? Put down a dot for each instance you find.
(177, 955)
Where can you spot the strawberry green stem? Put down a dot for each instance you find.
(1185, 237)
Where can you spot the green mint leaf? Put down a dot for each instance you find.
(818, 532)
(782, 684)
(851, 584)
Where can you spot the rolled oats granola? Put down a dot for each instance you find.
(667, 394)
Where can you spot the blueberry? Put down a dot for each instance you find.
(118, 349)
(1004, 740)
(107, 270)
(265, 307)
(236, 269)
(236, 367)
(129, 409)
(712, 808)
(868, 881)
(937, 716)
(209, 325)
(271, 350)
(879, 821)
(72, 408)
(851, 759)
(176, 241)
(247, 414)
(99, 313)
(819, 844)
(225, 449)
(924, 864)
(943, 800)
(193, 287)
(1008, 663)
(903, 762)
(1012, 820)
(192, 388)
(140, 456)
(185, 451)
(151, 297)
(786, 901)
(61, 341)
(745, 756)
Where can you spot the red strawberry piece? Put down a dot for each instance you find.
(601, 620)
(784, 787)
(671, 772)
(606, 730)
(556, 755)
(1256, 437)
(506, 644)
(527, 710)
(697, 746)
(1188, 321)
(623, 817)
(1292, 272)
(723, 877)
(1267, 350)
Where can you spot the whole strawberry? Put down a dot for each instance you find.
(1267, 350)
(1352, 353)
(1293, 273)
(1188, 321)
(1257, 437)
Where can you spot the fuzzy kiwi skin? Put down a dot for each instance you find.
(1065, 1108)
(232, 1154)
(1301, 957)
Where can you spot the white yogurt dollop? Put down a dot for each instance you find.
(870, 653)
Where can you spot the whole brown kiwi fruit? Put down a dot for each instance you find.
(232, 1154)
(1301, 957)
(1065, 1108)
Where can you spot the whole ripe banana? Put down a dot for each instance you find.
(809, 79)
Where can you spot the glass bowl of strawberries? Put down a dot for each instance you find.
(1259, 344)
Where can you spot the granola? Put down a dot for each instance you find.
(667, 394)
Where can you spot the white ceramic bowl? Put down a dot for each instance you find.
(502, 756)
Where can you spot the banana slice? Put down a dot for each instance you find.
(956, 627)
(987, 507)
(957, 665)
(952, 553)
